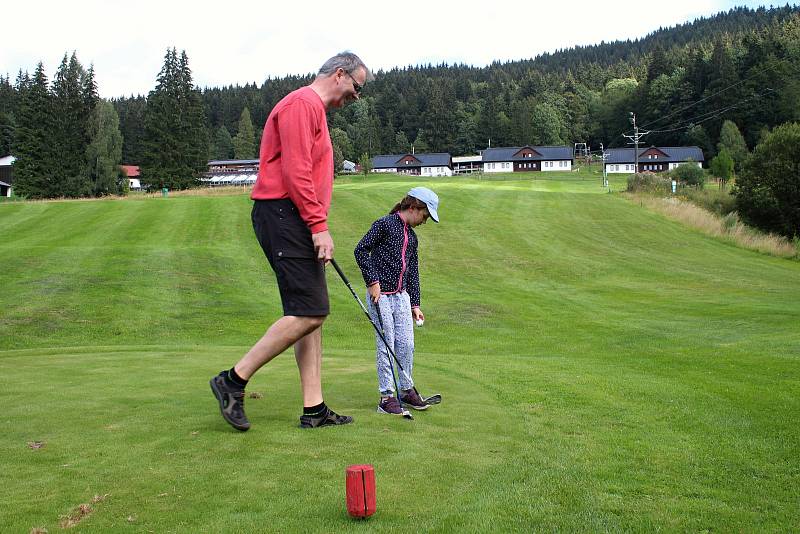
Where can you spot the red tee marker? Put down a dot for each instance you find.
(360, 491)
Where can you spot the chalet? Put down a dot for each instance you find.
(434, 164)
(6, 176)
(652, 159)
(133, 173)
(527, 159)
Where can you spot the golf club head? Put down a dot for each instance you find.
(407, 415)
(433, 399)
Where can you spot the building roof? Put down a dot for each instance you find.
(545, 153)
(131, 171)
(7, 161)
(675, 154)
(5, 184)
(434, 159)
(233, 162)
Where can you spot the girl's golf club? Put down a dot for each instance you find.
(406, 414)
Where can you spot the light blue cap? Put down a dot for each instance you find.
(430, 199)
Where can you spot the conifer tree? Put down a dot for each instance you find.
(8, 97)
(104, 152)
(72, 97)
(244, 143)
(32, 146)
(223, 144)
(175, 143)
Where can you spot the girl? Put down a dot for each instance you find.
(387, 256)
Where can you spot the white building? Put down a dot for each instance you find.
(527, 159)
(652, 159)
(434, 164)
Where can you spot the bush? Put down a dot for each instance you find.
(647, 182)
(689, 174)
(768, 191)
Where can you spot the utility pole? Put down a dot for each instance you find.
(605, 174)
(635, 138)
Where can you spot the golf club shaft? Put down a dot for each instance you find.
(364, 309)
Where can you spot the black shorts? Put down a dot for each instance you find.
(286, 241)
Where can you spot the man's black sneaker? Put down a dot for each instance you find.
(326, 418)
(411, 398)
(231, 402)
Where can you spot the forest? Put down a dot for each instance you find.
(683, 83)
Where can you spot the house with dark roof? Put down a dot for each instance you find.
(433, 164)
(6, 175)
(652, 159)
(527, 159)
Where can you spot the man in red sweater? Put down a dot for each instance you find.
(290, 211)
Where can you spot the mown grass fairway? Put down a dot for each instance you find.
(602, 368)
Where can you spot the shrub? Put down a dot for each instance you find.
(689, 173)
(647, 182)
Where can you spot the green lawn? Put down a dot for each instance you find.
(602, 368)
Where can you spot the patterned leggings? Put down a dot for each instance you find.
(398, 328)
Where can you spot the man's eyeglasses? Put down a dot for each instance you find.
(357, 87)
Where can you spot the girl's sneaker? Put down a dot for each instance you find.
(410, 397)
(390, 405)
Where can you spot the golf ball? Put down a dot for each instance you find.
(420, 322)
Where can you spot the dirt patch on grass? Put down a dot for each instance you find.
(80, 512)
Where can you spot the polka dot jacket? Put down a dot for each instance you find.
(388, 254)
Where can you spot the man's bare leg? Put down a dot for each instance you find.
(283, 333)
(308, 354)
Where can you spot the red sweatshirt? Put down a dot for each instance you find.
(296, 157)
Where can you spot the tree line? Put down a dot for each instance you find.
(683, 83)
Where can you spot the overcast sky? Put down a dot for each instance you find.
(246, 41)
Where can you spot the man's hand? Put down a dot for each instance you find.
(375, 292)
(323, 245)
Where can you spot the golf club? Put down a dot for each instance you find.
(433, 399)
(405, 413)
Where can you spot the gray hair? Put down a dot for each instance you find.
(347, 61)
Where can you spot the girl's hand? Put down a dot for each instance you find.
(417, 314)
(375, 292)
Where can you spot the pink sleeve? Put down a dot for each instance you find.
(296, 125)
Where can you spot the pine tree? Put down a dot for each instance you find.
(72, 96)
(401, 142)
(175, 143)
(223, 144)
(32, 147)
(8, 104)
(104, 152)
(244, 143)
